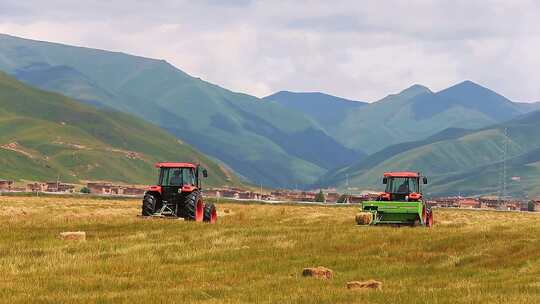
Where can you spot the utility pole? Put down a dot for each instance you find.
(502, 185)
(347, 184)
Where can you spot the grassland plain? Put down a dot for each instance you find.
(256, 253)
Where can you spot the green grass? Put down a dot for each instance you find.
(256, 253)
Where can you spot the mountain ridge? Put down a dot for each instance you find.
(417, 112)
(192, 109)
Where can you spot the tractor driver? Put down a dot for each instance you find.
(404, 187)
(176, 179)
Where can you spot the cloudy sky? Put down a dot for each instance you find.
(361, 50)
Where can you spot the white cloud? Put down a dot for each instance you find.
(360, 51)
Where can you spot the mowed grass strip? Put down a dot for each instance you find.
(256, 253)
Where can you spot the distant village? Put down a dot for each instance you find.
(330, 196)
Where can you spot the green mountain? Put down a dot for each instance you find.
(413, 114)
(460, 161)
(45, 135)
(63, 79)
(326, 110)
(264, 142)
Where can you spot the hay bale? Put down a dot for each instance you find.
(318, 272)
(73, 236)
(370, 284)
(364, 218)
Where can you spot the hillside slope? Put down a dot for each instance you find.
(265, 142)
(45, 136)
(460, 161)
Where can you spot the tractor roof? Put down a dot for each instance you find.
(402, 174)
(175, 165)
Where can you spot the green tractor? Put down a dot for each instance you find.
(401, 204)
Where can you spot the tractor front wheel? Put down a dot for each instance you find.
(148, 205)
(194, 207)
(210, 213)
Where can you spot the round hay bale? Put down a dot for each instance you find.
(73, 236)
(318, 272)
(370, 284)
(364, 218)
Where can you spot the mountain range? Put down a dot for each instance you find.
(455, 136)
(287, 139)
(460, 161)
(263, 142)
(412, 114)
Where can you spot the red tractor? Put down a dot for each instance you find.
(178, 194)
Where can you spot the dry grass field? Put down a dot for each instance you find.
(256, 253)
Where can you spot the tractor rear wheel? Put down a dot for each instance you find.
(210, 213)
(429, 222)
(148, 205)
(424, 215)
(194, 207)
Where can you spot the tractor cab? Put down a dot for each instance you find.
(178, 193)
(177, 179)
(403, 186)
